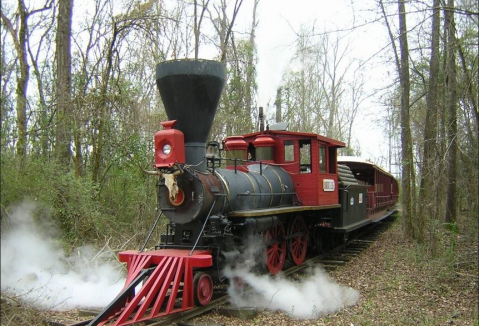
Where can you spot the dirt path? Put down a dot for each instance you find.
(397, 286)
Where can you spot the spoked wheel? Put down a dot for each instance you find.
(298, 245)
(202, 288)
(276, 249)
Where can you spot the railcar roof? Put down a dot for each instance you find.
(360, 160)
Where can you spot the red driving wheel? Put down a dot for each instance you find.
(298, 245)
(203, 288)
(276, 249)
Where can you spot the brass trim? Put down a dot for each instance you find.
(270, 187)
(225, 184)
(280, 210)
(254, 187)
(282, 185)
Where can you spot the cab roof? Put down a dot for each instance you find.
(330, 141)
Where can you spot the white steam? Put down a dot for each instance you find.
(37, 270)
(306, 299)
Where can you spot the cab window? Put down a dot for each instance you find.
(288, 151)
(305, 156)
(322, 158)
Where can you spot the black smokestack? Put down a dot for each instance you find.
(191, 90)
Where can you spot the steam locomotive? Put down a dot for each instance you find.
(289, 187)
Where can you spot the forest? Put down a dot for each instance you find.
(79, 105)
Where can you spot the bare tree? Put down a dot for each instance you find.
(408, 175)
(334, 86)
(324, 94)
(357, 98)
(198, 21)
(427, 188)
(19, 34)
(451, 86)
(40, 53)
(63, 81)
(250, 86)
(224, 25)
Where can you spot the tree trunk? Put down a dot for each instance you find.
(236, 9)
(451, 85)
(63, 51)
(278, 104)
(408, 189)
(198, 24)
(22, 86)
(102, 106)
(250, 69)
(43, 126)
(427, 188)
(20, 42)
(77, 137)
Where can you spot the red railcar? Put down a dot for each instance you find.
(383, 189)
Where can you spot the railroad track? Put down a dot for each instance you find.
(339, 256)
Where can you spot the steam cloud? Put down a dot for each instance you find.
(37, 270)
(306, 299)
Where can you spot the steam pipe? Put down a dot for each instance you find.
(261, 119)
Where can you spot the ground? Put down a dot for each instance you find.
(399, 284)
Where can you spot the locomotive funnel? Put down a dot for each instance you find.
(191, 90)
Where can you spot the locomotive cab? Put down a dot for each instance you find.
(309, 159)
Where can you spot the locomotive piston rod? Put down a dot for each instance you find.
(259, 224)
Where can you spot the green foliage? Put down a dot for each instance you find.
(84, 212)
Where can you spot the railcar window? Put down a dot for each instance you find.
(288, 151)
(305, 156)
(322, 159)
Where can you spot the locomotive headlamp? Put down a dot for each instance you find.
(167, 149)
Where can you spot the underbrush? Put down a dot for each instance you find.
(16, 314)
(437, 280)
(452, 251)
(119, 211)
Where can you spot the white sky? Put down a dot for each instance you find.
(275, 45)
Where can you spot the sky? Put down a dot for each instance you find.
(279, 19)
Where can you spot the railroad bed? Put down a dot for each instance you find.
(336, 258)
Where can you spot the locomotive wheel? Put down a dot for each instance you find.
(299, 245)
(323, 242)
(202, 288)
(276, 249)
